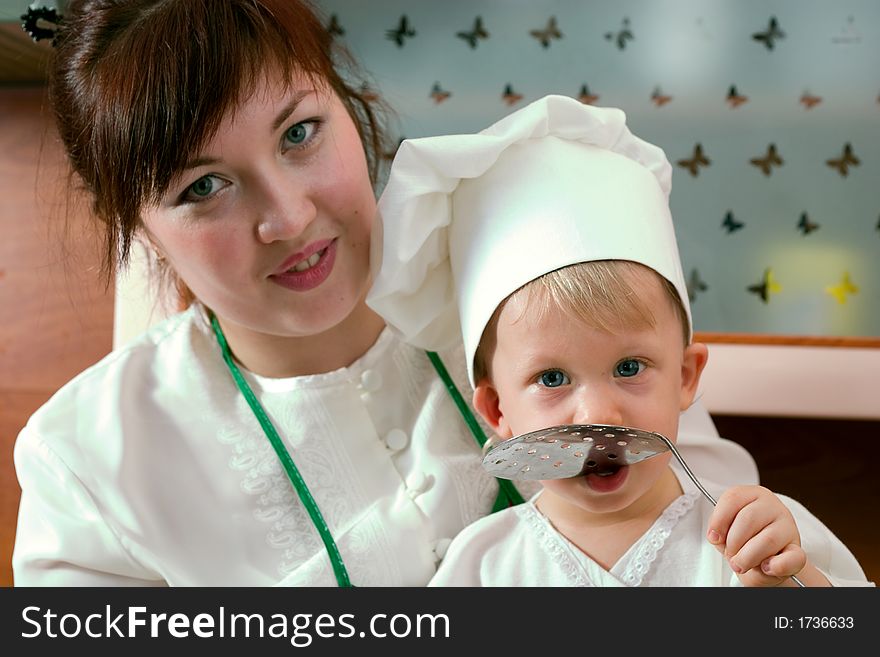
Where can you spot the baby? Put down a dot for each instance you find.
(564, 277)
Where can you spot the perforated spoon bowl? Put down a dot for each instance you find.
(571, 450)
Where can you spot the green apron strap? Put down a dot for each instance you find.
(299, 484)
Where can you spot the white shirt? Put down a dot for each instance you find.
(149, 468)
(520, 547)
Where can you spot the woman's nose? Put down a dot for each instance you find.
(285, 212)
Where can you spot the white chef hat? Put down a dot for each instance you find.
(466, 220)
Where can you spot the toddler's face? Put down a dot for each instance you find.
(556, 369)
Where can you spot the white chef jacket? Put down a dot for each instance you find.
(149, 468)
(519, 546)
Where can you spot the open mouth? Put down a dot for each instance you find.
(605, 477)
(308, 263)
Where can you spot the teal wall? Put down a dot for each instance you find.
(694, 51)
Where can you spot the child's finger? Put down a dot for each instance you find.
(765, 543)
(730, 503)
(790, 561)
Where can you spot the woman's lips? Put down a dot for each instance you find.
(312, 276)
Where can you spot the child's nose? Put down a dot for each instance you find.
(595, 407)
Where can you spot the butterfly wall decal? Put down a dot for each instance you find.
(659, 98)
(766, 287)
(845, 161)
(766, 162)
(695, 285)
(438, 94)
(334, 28)
(586, 97)
(477, 32)
(769, 36)
(841, 290)
(509, 96)
(623, 35)
(547, 33)
(805, 225)
(809, 101)
(367, 93)
(730, 224)
(400, 33)
(694, 163)
(734, 98)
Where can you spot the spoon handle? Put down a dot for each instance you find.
(697, 483)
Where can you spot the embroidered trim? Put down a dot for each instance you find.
(553, 544)
(653, 541)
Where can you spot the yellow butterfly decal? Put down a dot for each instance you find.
(842, 289)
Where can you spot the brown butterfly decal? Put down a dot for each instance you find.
(805, 225)
(846, 159)
(367, 93)
(621, 36)
(548, 33)
(586, 97)
(509, 96)
(768, 161)
(766, 287)
(695, 284)
(659, 98)
(399, 34)
(439, 94)
(734, 98)
(769, 36)
(809, 101)
(334, 28)
(694, 163)
(476, 33)
(730, 224)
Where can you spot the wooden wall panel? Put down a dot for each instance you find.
(56, 317)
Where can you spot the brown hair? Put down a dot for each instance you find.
(599, 293)
(139, 86)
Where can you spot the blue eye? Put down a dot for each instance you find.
(202, 187)
(553, 379)
(299, 133)
(629, 367)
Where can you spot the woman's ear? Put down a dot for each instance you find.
(696, 355)
(487, 404)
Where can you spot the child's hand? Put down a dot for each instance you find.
(757, 534)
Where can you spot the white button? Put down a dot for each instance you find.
(417, 483)
(396, 440)
(440, 547)
(371, 380)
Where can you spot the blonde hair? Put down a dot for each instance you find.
(600, 293)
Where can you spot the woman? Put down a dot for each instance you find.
(274, 432)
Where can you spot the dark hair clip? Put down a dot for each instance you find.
(31, 18)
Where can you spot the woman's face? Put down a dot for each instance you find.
(269, 225)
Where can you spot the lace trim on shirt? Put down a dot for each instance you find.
(553, 544)
(652, 542)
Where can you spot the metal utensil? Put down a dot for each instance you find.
(571, 450)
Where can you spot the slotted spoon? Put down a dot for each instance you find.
(574, 449)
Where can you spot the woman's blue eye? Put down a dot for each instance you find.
(297, 133)
(629, 367)
(203, 186)
(553, 378)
